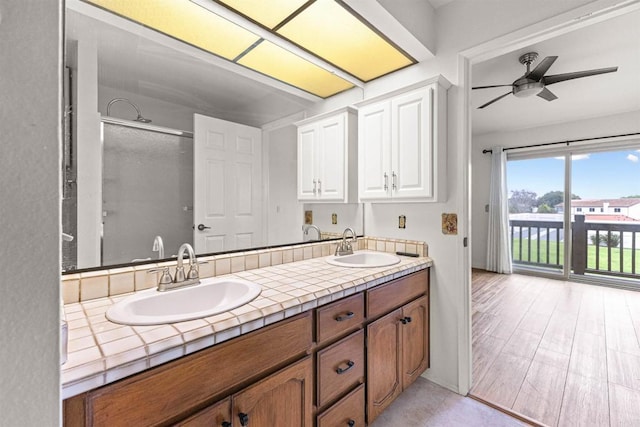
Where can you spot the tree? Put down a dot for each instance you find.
(545, 208)
(554, 198)
(522, 201)
(637, 196)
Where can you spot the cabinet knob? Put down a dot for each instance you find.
(244, 419)
(226, 424)
(405, 320)
(350, 364)
(351, 423)
(346, 316)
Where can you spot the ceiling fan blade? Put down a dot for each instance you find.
(547, 94)
(541, 68)
(487, 87)
(494, 100)
(556, 78)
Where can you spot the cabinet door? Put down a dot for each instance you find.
(331, 158)
(307, 146)
(282, 399)
(384, 359)
(411, 145)
(374, 155)
(415, 340)
(216, 415)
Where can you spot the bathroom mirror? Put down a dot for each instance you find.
(140, 168)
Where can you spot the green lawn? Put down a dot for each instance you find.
(591, 255)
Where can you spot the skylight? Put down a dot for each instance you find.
(319, 46)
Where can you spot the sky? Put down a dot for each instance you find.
(608, 175)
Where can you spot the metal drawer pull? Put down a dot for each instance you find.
(393, 181)
(351, 423)
(386, 181)
(405, 320)
(315, 183)
(343, 317)
(244, 419)
(350, 364)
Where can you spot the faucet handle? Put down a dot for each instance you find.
(180, 276)
(193, 272)
(165, 277)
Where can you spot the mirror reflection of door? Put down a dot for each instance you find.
(227, 210)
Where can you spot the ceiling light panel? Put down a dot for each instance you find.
(269, 13)
(185, 21)
(331, 32)
(274, 61)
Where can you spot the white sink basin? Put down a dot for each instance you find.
(364, 259)
(211, 296)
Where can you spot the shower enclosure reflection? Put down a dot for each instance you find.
(147, 190)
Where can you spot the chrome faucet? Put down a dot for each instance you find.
(306, 227)
(158, 246)
(193, 266)
(180, 279)
(344, 247)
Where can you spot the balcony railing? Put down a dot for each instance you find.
(597, 247)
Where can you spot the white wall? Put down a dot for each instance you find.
(598, 126)
(30, 140)
(284, 212)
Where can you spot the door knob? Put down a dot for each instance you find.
(203, 227)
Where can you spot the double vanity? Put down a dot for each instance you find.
(325, 340)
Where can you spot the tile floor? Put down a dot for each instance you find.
(427, 404)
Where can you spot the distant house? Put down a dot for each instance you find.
(605, 209)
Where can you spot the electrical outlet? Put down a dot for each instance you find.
(402, 221)
(334, 218)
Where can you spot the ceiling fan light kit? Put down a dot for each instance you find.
(535, 82)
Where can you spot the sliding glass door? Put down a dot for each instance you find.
(536, 188)
(577, 214)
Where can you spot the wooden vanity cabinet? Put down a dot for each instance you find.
(349, 411)
(398, 342)
(176, 390)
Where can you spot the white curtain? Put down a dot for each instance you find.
(498, 242)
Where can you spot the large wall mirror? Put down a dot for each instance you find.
(128, 164)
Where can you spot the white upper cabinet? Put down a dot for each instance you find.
(402, 145)
(327, 157)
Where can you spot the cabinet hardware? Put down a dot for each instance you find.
(350, 364)
(319, 186)
(343, 317)
(351, 423)
(226, 424)
(386, 181)
(314, 186)
(244, 419)
(405, 320)
(393, 181)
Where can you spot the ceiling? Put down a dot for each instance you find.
(615, 42)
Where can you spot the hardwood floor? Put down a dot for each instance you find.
(560, 353)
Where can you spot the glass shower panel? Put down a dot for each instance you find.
(147, 191)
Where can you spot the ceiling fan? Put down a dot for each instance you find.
(535, 82)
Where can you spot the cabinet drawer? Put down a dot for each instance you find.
(347, 412)
(339, 317)
(214, 415)
(340, 367)
(383, 299)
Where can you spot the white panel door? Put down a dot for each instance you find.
(331, 158)
(227, 185)
(307, 158)
(374, 151)
(411, 147)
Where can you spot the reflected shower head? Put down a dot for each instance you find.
(137, 119)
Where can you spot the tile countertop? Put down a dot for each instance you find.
(101, 352)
